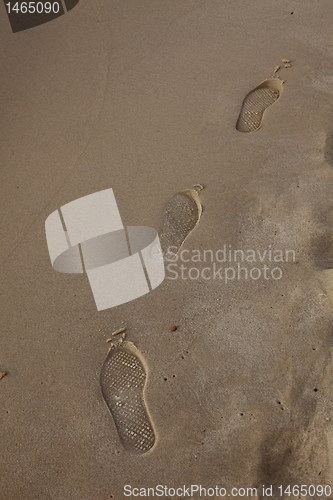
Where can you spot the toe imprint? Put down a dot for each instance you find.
(123, 379)
(256, 102)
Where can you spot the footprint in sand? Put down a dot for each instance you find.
(255, 104)
(181, 214)
(123, 379)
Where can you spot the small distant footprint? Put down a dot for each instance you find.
(256, 102)
(123, 378)
(181, 214)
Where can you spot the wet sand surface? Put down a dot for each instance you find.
(144, 97)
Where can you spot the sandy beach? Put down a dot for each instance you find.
(144, 97)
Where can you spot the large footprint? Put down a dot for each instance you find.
(123, 378)
(256, 102)
(181, 215)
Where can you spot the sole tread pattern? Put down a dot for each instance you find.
(123, 379)
(255, 104)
